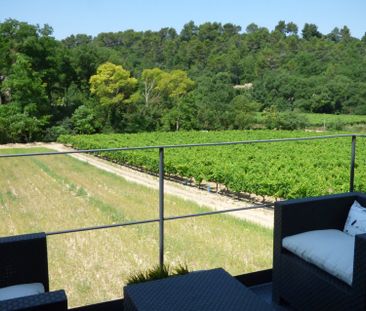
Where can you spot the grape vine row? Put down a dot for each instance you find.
(284, 170)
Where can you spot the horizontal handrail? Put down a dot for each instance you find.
(161, 149)
(220, 211)
(243, 142)
(147, 221)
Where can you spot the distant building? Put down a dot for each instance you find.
(245, 86)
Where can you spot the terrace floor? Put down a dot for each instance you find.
(265, 292)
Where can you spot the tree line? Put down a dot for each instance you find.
(211, 76)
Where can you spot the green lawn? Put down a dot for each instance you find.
(59, 192)
(327, 120)
(323, 119)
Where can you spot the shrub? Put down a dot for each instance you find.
(289, 120)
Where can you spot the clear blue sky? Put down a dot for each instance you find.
(94, 16)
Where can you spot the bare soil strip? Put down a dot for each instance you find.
(214, 201)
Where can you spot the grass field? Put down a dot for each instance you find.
(323, 119)
(326, 121)
(59, 192)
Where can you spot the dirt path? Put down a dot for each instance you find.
(214, 201)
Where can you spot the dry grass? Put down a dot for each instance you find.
(59, 192)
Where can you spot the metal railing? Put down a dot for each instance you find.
(161, 220)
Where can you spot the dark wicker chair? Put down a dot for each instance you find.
(23, 259)
(302, 285)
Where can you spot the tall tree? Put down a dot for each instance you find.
(335, 35)
(292, 29)
(25, 87)
(151, 79)
(115, 89)
(345, 33)
(113, 85)
(281, 27)
(310, 31)
(175, 84)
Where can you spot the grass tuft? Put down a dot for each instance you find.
(157, 273)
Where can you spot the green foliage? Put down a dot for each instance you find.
(85, 121)
(244, 112)
(159, 85)
(157, 273)
(52, 133)
(24, 86)
(289, 120)
(151, 90)
(17, 126)
(175, 84)
(133, 81)
(113, 85)
(310, 31)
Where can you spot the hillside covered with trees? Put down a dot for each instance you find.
(207, 77)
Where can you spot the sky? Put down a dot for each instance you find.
(95, 16)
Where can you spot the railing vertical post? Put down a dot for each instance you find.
(161, 207)
(352, 169)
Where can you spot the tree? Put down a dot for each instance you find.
(310, 31)
(13, 35)
(25, 87)
(251, 28)
(158, 83)
(231, 29)
(281, 27)
(210, 31)
(85, 121)
(321, 101)
(17, 126)
(24, 128)
(41, 76)
(335, 35)
(77, 40)
(174, 84)
(345, 33)
(116, 90)
(113, 85)
(292, 29)
(151, 78)
(184, 112)
(244, 111)
(363, 39)
(189, 30)
(257, 38)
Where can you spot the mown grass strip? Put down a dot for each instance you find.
(52, 193)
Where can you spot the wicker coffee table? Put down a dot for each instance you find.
(205, 290)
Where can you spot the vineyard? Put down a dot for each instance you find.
(284, 170)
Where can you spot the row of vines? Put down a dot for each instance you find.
(284, 170)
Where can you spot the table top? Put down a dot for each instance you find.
(204, 290)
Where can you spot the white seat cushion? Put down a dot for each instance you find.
(356, 220)
(330, 250)
(21, 290)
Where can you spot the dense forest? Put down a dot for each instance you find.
(207, 77)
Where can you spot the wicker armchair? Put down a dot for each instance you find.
(302, 285)
(23, 259)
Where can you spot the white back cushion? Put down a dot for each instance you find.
(330, 250)
(21, 290)
(356, 220)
